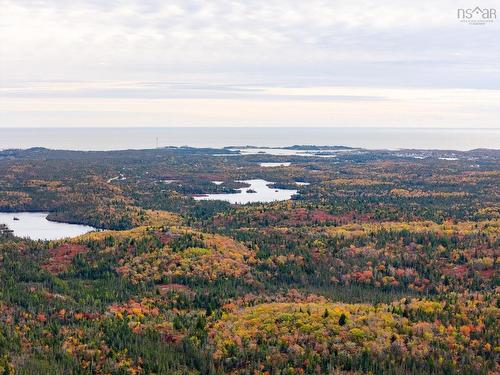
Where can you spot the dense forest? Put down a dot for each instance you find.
(384, 262)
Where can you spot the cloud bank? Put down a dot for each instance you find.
(248, 63)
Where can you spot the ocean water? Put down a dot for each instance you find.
(141, 138)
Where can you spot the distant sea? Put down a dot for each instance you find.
(141, 138)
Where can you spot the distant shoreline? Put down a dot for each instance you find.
(248, 150)
(114, 139)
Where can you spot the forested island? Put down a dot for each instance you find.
(381, 262)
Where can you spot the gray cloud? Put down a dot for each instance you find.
(238, 49)
(162, 90)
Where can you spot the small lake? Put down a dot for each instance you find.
(36, 226)
(273, 165)
(263, 194)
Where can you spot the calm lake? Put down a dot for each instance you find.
(36, 226)
(263, 194)
(272, 164)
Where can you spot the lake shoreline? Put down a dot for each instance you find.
(258, 191)
(38, 226)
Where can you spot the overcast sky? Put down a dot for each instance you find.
(247, 63)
